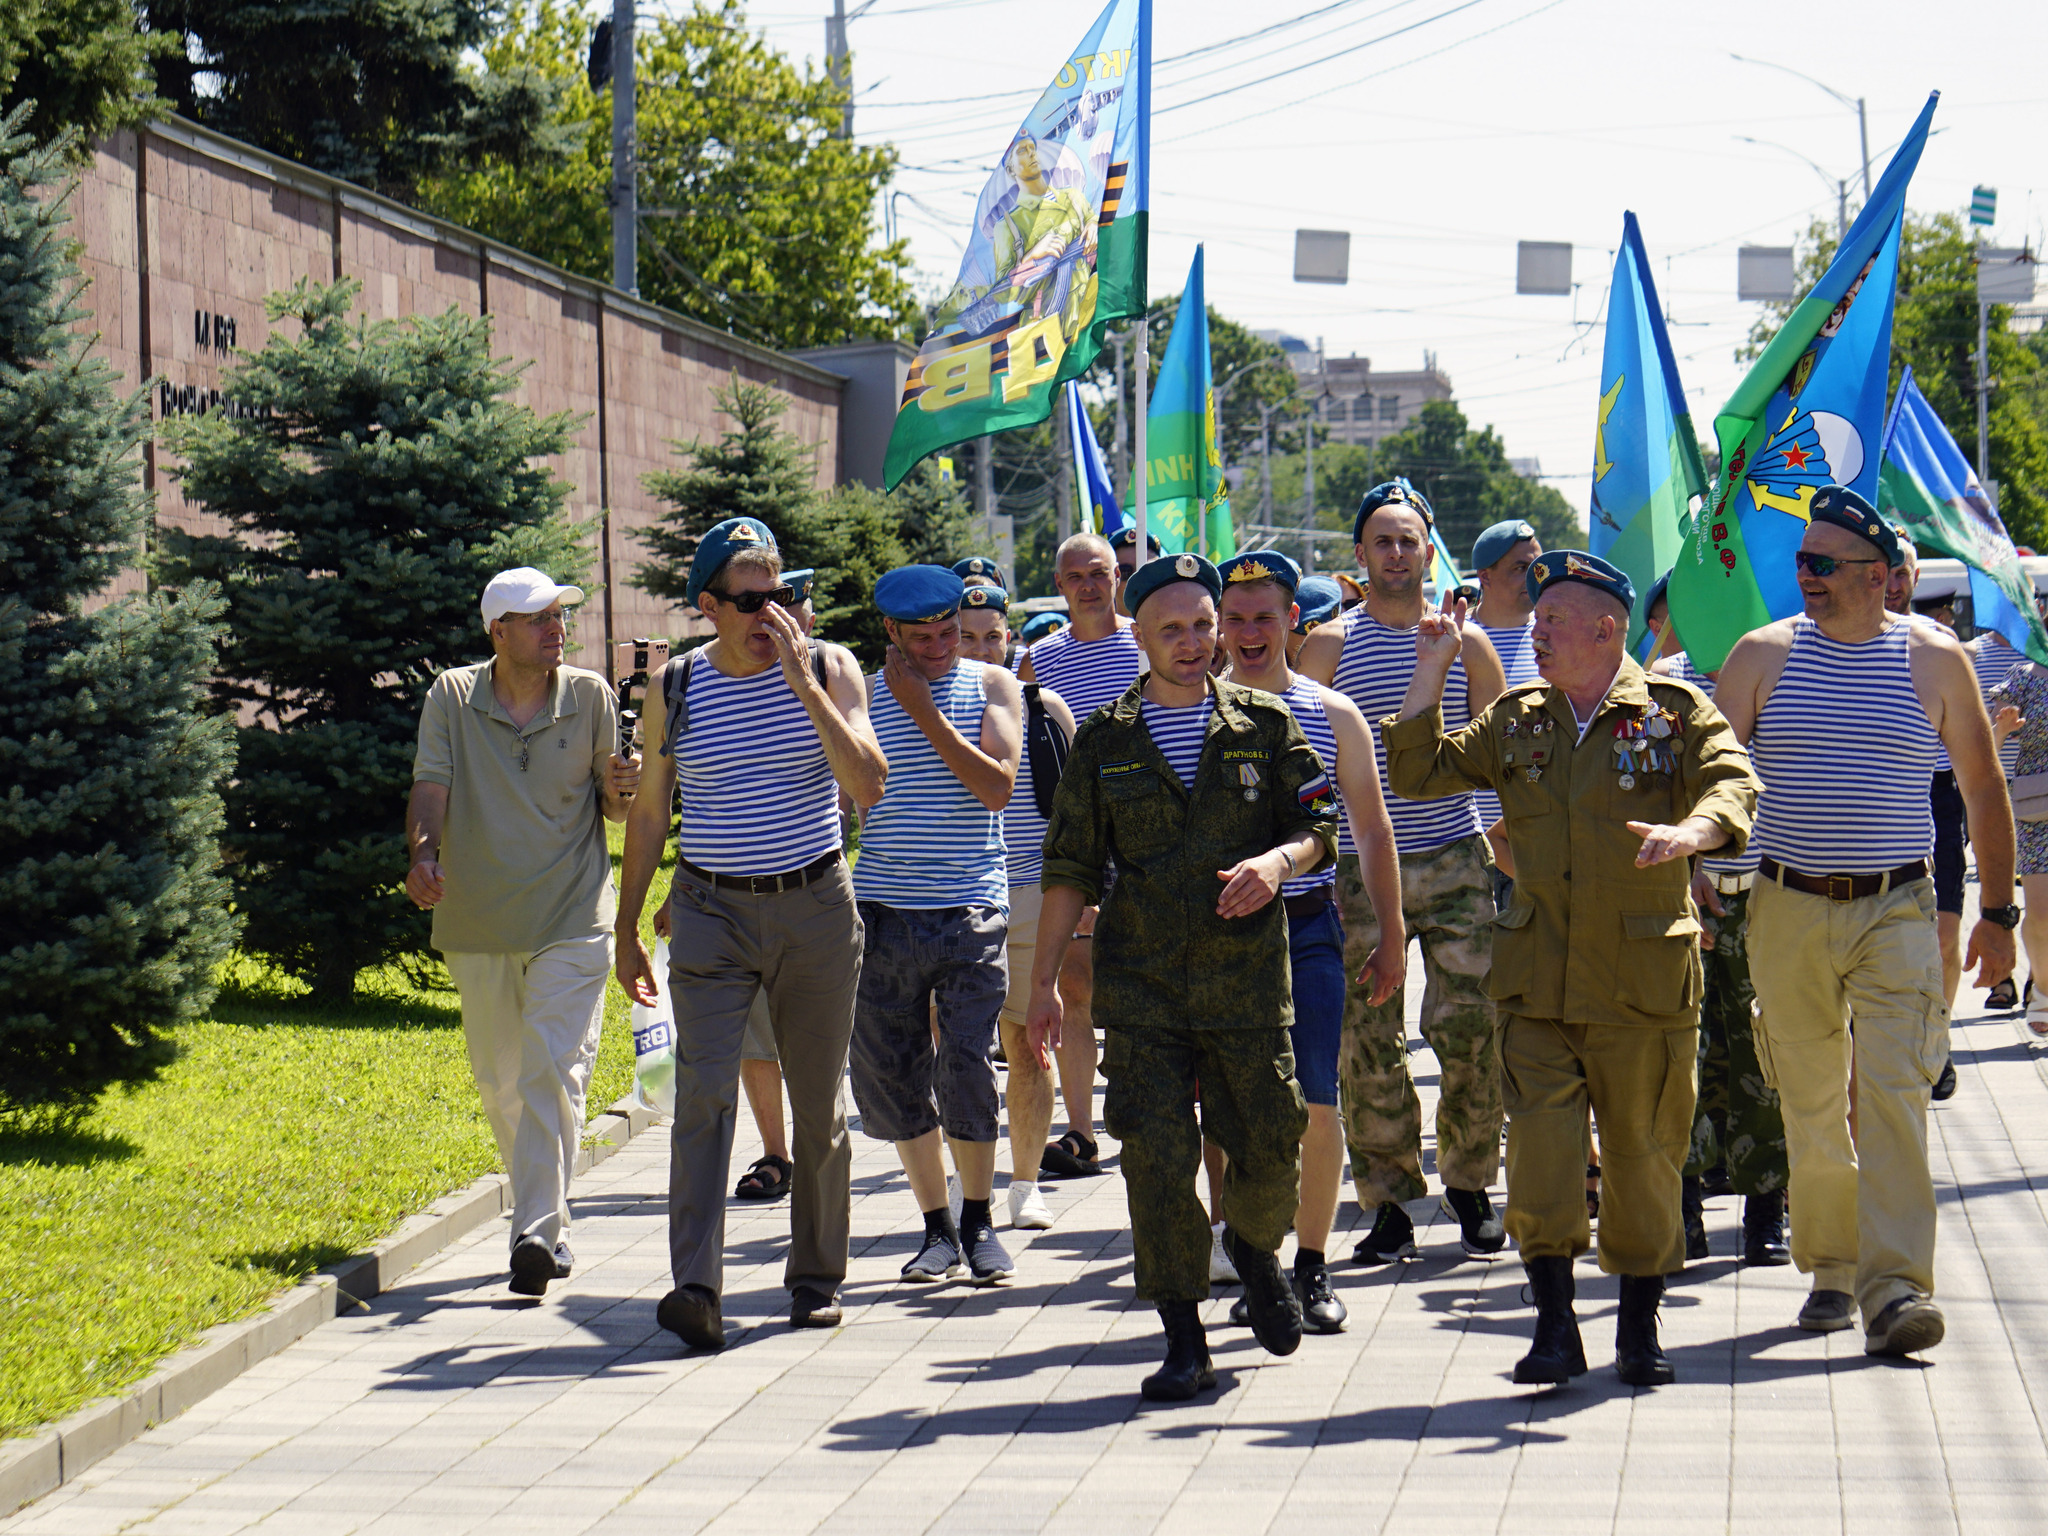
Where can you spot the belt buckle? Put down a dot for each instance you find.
(765, 885)
(1847, 890)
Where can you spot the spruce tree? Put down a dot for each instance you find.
(113, 913)
(374, 476)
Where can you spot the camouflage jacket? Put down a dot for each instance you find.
(1590, 938)
(1162, 955)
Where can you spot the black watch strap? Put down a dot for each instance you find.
(2007, 916)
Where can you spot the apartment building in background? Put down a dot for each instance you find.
(1354, 403)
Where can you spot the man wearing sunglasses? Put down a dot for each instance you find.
(1845, 709)
(762, 730)
(517, 772)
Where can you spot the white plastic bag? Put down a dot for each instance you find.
(654, 1043)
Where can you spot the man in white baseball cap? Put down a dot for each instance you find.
(517, 771)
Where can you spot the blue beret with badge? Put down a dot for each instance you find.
(984, 598)
(799, 583)
(1494, 544)
(1321, 600)
(1842, 507)
(1559, 565)
(1261, 565)
(720, 544)
(981, 567)
(1126, 537)
(1399, 491)
(1154, 574)
(1039, 625)
(919, 594)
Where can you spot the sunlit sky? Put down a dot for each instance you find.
(1488, 122)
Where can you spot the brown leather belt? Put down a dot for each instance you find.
(763, 885)
(1307, 905)
(1842, 887)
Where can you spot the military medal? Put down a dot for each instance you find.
(1248, 776)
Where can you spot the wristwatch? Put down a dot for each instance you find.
(2007, 917)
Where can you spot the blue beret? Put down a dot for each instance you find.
(1264, 565)
(1559, 565)
(800, 583)
(982, 566)
(1126, 537)
(1493, 544)
(919, 594)
(1839, 505)
(720, 544)
(1398, 490)
(1039, 625)
(986, 597)
(1164, 572)
(1321, 600)
(1660, 591)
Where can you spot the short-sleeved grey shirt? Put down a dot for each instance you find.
(523, 848)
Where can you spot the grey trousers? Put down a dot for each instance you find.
(804, 947)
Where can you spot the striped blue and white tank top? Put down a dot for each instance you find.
(1683, 669)
(1845, 753)
(1305, 702)
(1088, 673)
(1023, 827)
(1516, 647)
(758, 797)
(1373, 673)
(928, 842)
(1941, 762)
(1178, 733)
(1993, 659)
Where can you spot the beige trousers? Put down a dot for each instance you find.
(1835, 981)
(532, 1022)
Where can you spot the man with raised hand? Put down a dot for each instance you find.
(517, 771)
(1845, 708)
(1089, 664)
(934, 901)
(1208, 796)
(1446, 899)
(1610, 781)
(1257, 612)
(761, 729)
(1048, 733)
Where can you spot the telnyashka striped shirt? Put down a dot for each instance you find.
(1941, 762)
(1683, 669)
(1993, 660)
(928, 842)
(1516, 647)
(1373, 673)
(1088, 673)
(1178, 734)
(1305, 702)
(1845, 751)
(758, 796)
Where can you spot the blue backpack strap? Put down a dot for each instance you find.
(675, 693)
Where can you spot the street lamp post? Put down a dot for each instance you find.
(1862, 117)
(1835, 183)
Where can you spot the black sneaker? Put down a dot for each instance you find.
(565, 1261)
(1478, 1228)
(1392, 1237)
(1321, 1311)
(938, 1259)
(1945, 1085)
(987, 1260)
(533, 1266)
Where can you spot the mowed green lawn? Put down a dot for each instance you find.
(284, 1137)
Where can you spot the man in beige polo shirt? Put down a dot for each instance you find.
(517, 771)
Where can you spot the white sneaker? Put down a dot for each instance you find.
(1028, 1211)
(954, 1198)
(1221, 1270)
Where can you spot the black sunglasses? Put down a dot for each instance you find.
(1824, 565)
(753, 602)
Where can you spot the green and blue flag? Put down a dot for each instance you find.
(1099, 510)
(1186, 498)
(1810, 413)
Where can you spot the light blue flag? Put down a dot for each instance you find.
(1646, 458)
(1099, 510)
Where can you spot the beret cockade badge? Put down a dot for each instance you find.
(1187, 565)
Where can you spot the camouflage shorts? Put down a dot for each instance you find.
(1739, 1122)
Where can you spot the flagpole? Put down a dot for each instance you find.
(1144, 369)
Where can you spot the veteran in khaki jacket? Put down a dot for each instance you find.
(1609, 780)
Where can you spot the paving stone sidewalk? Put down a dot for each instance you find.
(449, 1406)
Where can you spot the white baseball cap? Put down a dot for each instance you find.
(524, 590)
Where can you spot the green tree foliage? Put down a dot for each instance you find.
(1934, 331)
(755, 217)
(84, 63)
(373, 478)
(113, 915)
(1465, 475)
(376, 91)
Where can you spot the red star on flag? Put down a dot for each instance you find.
(1796, 457)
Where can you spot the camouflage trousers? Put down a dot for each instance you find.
(1447, 902)
(1251, 1108)
(1739, 1123)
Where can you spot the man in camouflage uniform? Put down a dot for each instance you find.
(1207, 795)
(1739, 1126)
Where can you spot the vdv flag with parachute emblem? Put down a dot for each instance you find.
(1809, 413)
(1929, 489)
(1099, 510)
(1185, 493)
(1646, 458)
(1055, 254)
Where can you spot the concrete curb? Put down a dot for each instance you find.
(43, 1462)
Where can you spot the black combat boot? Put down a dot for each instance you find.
(1763, 1230)
(1187, 1370)
(1271, 1306)
(1693, 1206)
(1639, 1359)
(1557, 1355)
